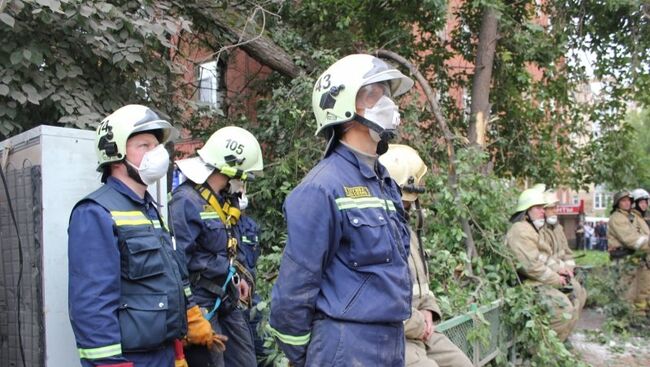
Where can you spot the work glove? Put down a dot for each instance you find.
(199, 331)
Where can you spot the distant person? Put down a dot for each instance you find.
(589, 235)
(580, 236)
(601, 234)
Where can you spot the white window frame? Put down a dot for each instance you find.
(209, 82)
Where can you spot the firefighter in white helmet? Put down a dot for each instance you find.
(128, 293)
(559, 257)
(425, 347)
(343, 290)
(204, 213)
(523, 239)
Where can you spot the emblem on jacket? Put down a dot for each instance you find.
(357, 192)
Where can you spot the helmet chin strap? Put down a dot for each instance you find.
(385, 135)
(133, 173)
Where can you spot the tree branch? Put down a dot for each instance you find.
(452, 180)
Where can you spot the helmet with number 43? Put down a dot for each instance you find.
(335, 92)
(231, 150)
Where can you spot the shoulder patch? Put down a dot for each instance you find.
(357, 192)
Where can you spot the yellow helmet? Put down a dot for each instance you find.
(405, 167)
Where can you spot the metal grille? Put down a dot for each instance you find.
(24, 186)
(500, 340)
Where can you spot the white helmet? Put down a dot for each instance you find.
(639, 194)
(405, 167)
(335, 92)
(115, 130)
(551, 199)
(233, 151)
(529, 198)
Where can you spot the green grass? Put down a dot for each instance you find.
(591, 258)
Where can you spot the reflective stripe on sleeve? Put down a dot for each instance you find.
(642, 240)
(101, 352)
(363, 203)
(291, 339)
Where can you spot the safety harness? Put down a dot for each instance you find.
(229, 215)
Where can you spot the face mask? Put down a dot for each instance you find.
(243, 202)
(552, 220)
(154, 165)
(538, 223)
(385, 114)
(236, 186)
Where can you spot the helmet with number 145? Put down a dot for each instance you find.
(115, 130)
(335, 92)
(231, 150)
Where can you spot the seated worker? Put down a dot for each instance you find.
(524, 241)
(560, 257)
(425, 347)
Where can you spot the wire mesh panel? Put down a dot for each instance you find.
(21, 316)
(500, 339)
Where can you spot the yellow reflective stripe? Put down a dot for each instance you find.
(209, 215)
(188, 291)
(364, 203)
(101, 352)
(291, 339)
(130, 218)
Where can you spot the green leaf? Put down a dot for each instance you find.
(7, 19)
(4, 90)
(18, 96)
(16, 57)
(32, 93)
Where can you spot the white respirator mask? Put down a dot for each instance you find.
(154, 165)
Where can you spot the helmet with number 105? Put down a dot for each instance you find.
(234, 152)
(115, 130)
(335, 92)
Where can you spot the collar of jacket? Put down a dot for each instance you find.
(126, 191)
(366, 171)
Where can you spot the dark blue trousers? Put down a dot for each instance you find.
(350, 344)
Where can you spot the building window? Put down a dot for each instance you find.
(211, 84)
(601, 198)
(575, 200)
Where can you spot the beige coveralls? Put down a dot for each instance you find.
(631, 231)
(525, 243)
(562, 258)
(438, 350)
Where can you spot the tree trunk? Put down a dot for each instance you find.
(250, 39)
(481, 81)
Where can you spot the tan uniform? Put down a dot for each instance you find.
(532, 254)
(438, 350)
(562, 258)
(631, 231)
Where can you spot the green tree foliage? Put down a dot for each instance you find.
(71, 62)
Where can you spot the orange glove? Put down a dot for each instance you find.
(179, 355)
(199, 330)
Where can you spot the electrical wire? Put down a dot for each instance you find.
(20, 266)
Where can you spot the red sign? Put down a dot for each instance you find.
(570, 209)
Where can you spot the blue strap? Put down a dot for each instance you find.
(217, 303)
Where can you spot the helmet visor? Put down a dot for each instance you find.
(169, 133)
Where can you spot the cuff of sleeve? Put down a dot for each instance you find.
(122, 364)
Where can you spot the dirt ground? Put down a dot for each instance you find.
(614, 353)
